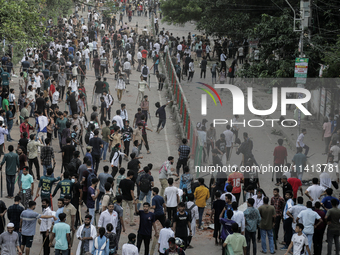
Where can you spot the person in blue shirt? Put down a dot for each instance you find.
(101, 245)
(228, 206)
(60, 209)
(158, 204)
(326, 201)
(226, 225)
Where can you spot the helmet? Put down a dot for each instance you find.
(179, 242)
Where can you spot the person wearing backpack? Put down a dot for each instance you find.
(182, 221)
(192, 208)
(145, 72)
(145, 182)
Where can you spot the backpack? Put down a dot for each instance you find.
(188, 210)
(145, 70)
(72, 166)
(114, 150)
(127, 46)
(87, 137)
(112, 198)
(90, 177)
(145, 183)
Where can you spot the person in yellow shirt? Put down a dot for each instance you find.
(201, 195)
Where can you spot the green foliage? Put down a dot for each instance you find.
(332, 59)
(21, 22)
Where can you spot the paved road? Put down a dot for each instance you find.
(166, 143)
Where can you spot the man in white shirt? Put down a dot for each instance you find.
(164, 236)
(55, 98)
(157, 46)
(127, 69)
(120, 87)
(46, 224)
(123, 113)
(139, 59)
(108, 216)
(171, 198)
(223, 59)
(118, 119)
(229, 139)
(179, 47)
(130, 248)
(31, 99)
(238, 217)
(74, 85)
(300, 143)
(314, 192)
(307, 218)
(86, 53)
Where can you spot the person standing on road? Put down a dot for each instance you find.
(46, 225)
(333, 231)
(146, 223)
(166, 171)
(126, 189)
(267, 223)
(97, 91)
(158, 204)
(164, 235)
(130, 248)
(9, 241)
(97, 145)
(12, 165)
(299, 161)
(108, 216)
(201, 196)
(252, 218)
(86, 233)
(319, 231)
(327, 133)
(32, 150)
(287, 219)
(146, 182)
(13, 214)
(300, 143)
(120, 87)
(28, 222)
(182, 222)
(280, 159)
(62, 234)
(278, 202)
(191, 70)
(27, 187)
(236, 241)
(229, 138)
(314, 192)
(299, 241)
(203, 66)
(308, 218)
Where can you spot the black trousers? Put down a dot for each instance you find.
(228, 153)
(251, 237)
(287, 224)
(145, 138)
(127, 147)
(114, 171)
(203, 71)
(277, 226)
(317, 241)
(96, 160)
(146, 239)
(171, 213)
(46, 243)
(161, 219)
(237, 196)
(34, 161)
(181, 162)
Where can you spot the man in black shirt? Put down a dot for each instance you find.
(285, 184)
(97, 90)
(126, 188)
(182, 222)
(134, 166)
(103, 109)
(147, 221)
(221, 144)
(161, 114)
(97, 144)
(40, 102)
(67, 150)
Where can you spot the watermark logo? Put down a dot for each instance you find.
(204, 97)
(239, 99)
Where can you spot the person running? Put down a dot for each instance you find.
(161, 114)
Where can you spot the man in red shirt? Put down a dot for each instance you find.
(235, 179)
(144, 55)
(280, 158)
(296, 185)
(25, 127)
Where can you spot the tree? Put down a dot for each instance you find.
(21, 22)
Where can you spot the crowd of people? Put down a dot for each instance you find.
(57, 72)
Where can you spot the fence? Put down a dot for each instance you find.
(188, 126)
